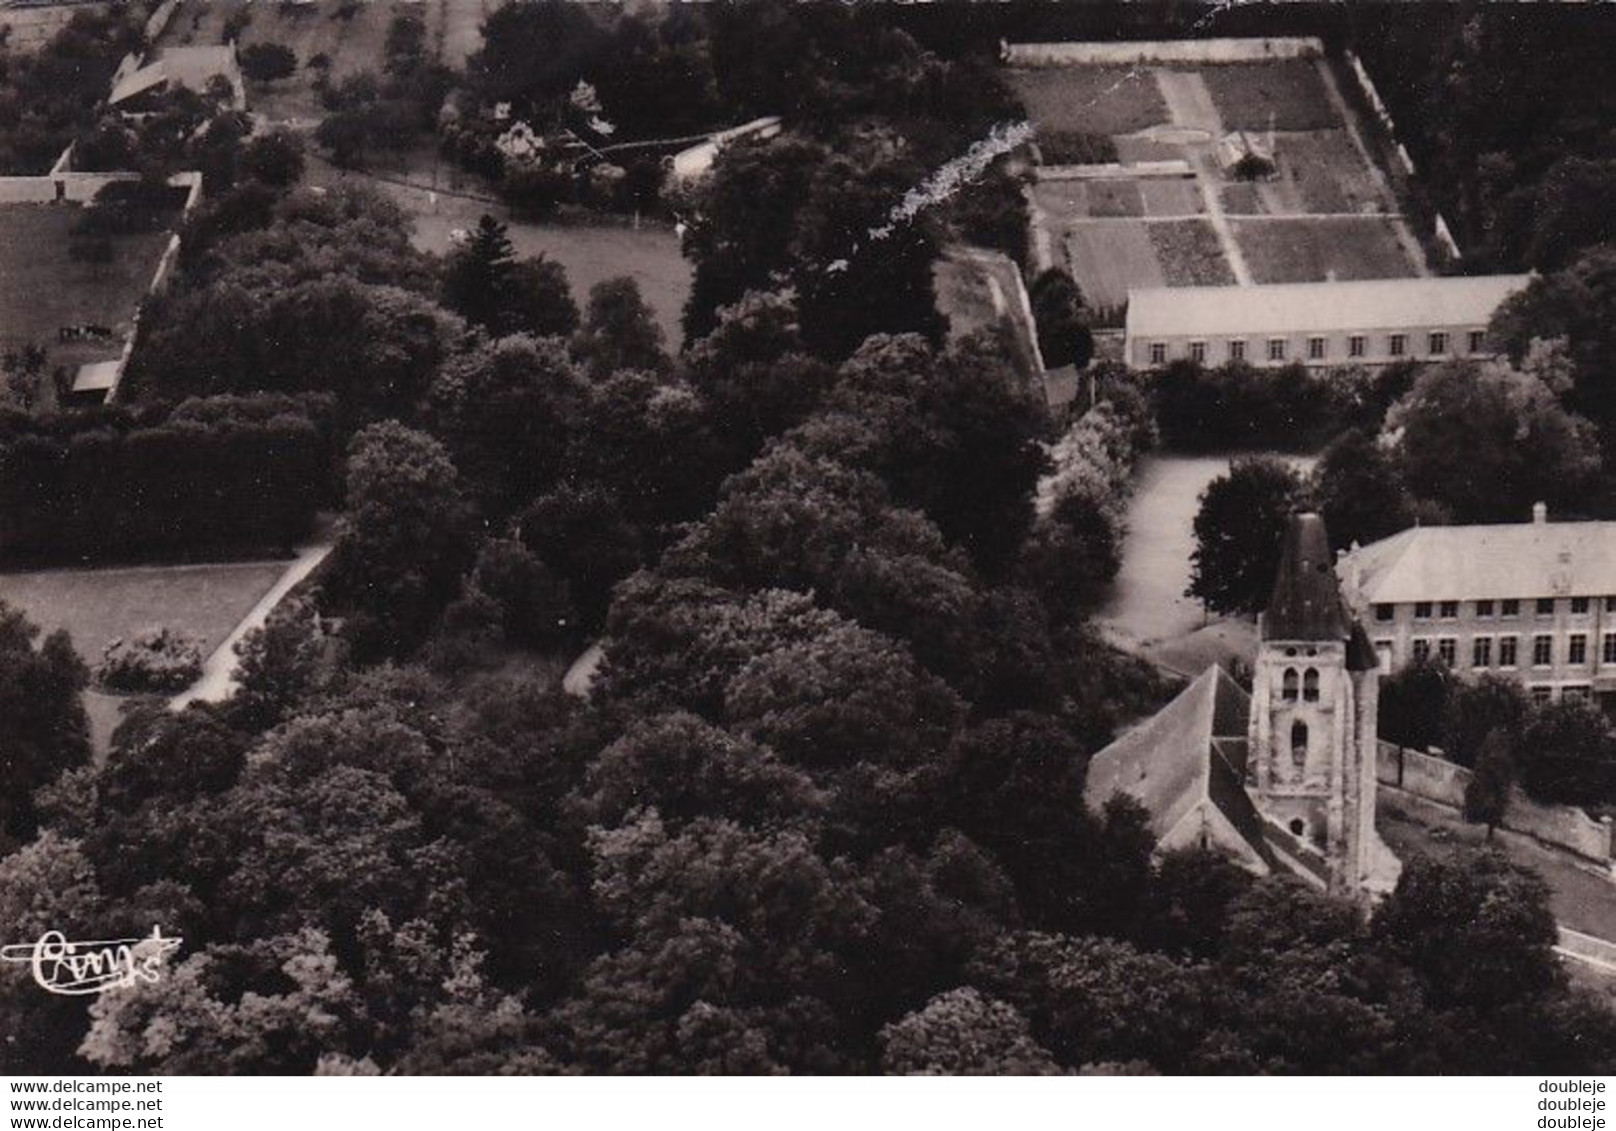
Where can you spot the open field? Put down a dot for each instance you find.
(98, 606)
(1288, 94)
(1107, 259)
(1102, 100)
(1189, 254)
(43, 289)
(1313, 250)
(590, 253)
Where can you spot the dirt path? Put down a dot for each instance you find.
(1190, 103)
(218, 680)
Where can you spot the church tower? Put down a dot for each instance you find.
(1314, 701)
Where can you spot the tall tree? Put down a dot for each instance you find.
(1238, 530)
(43, 728)
(1486, 795)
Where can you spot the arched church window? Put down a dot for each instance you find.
(1299, 742)
(1289, 683)
(1310, 685)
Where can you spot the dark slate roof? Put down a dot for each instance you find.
(1183, 754)
(1307, 603)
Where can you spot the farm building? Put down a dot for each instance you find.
(1363, 322)
(169, 67)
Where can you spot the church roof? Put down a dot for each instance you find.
(1306, 603)
(1182, 756)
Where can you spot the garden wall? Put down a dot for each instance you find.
(1162, 51)
(1443, 233)
(1443, 782)
(1115, 171)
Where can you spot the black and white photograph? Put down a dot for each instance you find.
(798, 538)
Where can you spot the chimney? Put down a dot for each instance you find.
(1540, 513)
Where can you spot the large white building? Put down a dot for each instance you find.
(1535, 601)
(1368, 322)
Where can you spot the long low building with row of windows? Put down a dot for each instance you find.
(1535, 601)
(1371, 322)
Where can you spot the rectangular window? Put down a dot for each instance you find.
(1506, 651)
(1237, 350)
(1385, 612)
(1447, 650)
(1542, 650)
(1509, 608)
(1276, 349)
(1198, 352)
(1481, 652)
(1357, 345)
(1439, 342)
(1540, 695)
(1450, 610)
(1383, 653)
(1484, 608)
(1158, 353)
(1397, 345)
(1609, 653)
(1315, 349)
(1577, 648)
(1610, 604)
(1545, 606)
(1579, 604)
(1422, 651)
(1478, 339)
(1422, 610)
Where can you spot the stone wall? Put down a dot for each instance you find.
(1162, 51)
(1435, 779)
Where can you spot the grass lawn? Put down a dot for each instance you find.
(1115, 198)
(1313, 250)
(1289, 93)
(1189, 253)
(1107, 259)
(590, 252)
(42, 289)
(98, 606)
(1168, 196)
(1102, 100)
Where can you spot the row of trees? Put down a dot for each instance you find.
(225, 473)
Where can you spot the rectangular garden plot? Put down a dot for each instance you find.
(1189, 254)
(1109, 258)
(1317, 249)
(1288, 94)
(1101, 100)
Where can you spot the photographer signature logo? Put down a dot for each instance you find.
(61, 966)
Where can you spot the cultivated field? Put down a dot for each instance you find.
(1107, 259)
(1100, 100)
(1288, 94)
(1190, 254)
(42, 288)
(1171, 196)
(1313, 250)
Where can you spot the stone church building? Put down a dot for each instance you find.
(1283, 777)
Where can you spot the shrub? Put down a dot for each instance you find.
(157, 660)
(266, 62)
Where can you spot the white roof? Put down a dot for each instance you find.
(1284, 308)
(190, 67)
(1517, 561)
(97, 376)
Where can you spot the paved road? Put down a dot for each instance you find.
(218, 680)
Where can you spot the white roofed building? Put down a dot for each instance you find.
(1368, 322)
(1535, 601)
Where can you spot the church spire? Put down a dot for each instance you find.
(1306, 602)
